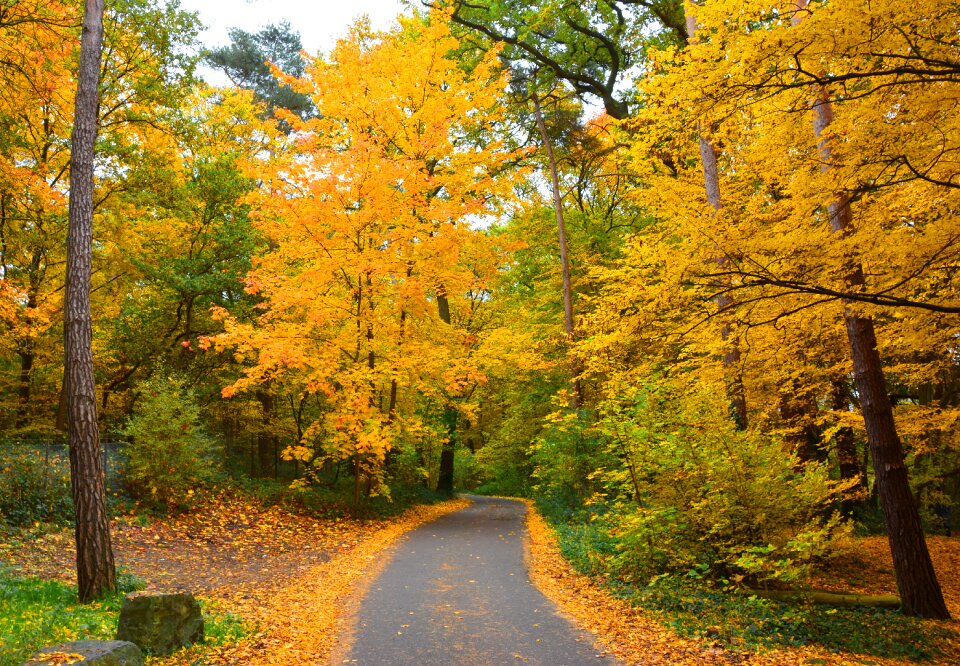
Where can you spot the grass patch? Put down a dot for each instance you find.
(750, 624)
(36, 613)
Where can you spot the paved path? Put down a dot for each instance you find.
(456, 593)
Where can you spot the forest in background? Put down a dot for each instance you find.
(421, 261)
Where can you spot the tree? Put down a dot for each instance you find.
(592, 46)
(917, 581)
(96, 573)
(576, 400)
(366, 215)
(822, 221)
(248, 60)
(725, 303)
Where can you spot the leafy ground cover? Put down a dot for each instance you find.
(676, 624)
(273, 581)
(36, 612)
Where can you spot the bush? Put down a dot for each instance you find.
(35, 487)
(170, 459)
(685, 494)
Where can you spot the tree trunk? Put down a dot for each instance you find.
(96, 574)
(731, 354)
(803, 437)
(846, 447)
(23, 391)
(576, 398)
(445, 477)
(266, 440)
(916, 580)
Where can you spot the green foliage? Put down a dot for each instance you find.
(35, 486)
(35, 613)
(565, 456)
(335, 500)
(245, 62)
(741, 622)
(682, 493)
(170, 457)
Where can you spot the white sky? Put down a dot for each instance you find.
(320, 22)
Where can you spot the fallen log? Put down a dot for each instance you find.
(847, 600)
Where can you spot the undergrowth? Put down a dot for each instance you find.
(696, 608)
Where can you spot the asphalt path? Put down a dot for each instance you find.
(456, 593)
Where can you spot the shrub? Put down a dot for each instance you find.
(35, 487)
(170, 459)
(686, 494)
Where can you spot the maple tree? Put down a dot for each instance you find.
(367, 213)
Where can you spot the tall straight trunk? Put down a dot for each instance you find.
(26, 352)
(450, 415)
(731, 345)
(266, 439)
(96, 573)
(576, 398)
(920, 592)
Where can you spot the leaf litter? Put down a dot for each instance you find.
(637, 636)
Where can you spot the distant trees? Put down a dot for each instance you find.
(247, 61)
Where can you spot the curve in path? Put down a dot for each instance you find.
(456, 592)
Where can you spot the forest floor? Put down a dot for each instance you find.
(291, 580)
(639, 636)
(286, 576)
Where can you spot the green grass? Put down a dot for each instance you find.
(36, 613)
(749, 624)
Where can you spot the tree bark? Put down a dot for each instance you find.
(916, 579)
(450, 417)
(576, 397)
(846, 447)
(96, 574)
(266, 439)
(731, 354)
(27, 357)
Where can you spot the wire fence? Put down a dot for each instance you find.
(51, 458)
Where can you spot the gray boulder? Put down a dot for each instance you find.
(160, 623)
(94, 653)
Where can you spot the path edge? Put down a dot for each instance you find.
(362, 577)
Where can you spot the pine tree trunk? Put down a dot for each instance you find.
(916, 580)
(96, 574)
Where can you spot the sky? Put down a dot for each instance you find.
(319, 22)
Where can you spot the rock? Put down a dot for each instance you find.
(95, 653)
(159, 622)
